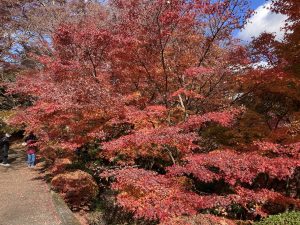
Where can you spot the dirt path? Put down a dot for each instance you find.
(25, 198)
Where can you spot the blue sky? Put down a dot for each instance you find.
(262, 20)
(256, 3)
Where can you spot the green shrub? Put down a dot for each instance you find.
(287, 218)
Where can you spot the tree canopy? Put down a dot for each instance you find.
(184, 123)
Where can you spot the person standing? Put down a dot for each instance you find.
(31, 137)
(4, 142)
(31, 153)
(30, 141)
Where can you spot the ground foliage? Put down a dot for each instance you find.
(182, 123)
(288, 218)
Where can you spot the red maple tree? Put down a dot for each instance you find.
(145, 84)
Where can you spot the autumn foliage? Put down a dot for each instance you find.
(187, 129)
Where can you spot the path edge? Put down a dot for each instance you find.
(66, 215)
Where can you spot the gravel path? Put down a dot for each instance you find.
(25, 198)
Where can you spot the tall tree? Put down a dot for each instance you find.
(145, 80)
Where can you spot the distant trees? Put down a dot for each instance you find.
(27, 27)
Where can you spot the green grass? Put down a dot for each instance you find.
(287, 218)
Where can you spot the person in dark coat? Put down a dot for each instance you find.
(31, 137)
(4, 142)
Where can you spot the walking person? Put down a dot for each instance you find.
(31, 150)
(4, 142)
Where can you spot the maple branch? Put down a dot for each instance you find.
(122, 167)
(171, 156)
(242, 96)
(279, 118)
(93, 64)
(219, 28)
(149, 75)
(162, 57)
(212, 87)
(184, 108)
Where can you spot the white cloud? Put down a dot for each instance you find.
(263, 20)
